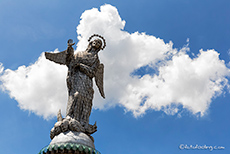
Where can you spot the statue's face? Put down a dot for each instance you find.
(97, 43)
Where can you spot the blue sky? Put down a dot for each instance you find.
(184, 100)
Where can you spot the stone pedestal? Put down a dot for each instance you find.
(70, 143)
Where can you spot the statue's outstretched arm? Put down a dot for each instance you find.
(69, 54)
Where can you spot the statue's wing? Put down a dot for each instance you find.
(99, 79)
(59, 57)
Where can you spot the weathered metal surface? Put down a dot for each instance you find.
(82, 68)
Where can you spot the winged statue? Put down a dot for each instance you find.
(82, 68)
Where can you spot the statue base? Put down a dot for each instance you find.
(73, 137)
(70, 143)
(69, 124)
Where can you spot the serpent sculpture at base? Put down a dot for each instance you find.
(72, 134)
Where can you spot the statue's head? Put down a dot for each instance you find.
(97, 43)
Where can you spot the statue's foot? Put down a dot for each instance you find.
(74, 125)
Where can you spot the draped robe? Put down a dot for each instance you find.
(81, 69)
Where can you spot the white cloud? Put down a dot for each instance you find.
(191, 83)
(39, 88)
(180, 81)
(1, 68)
